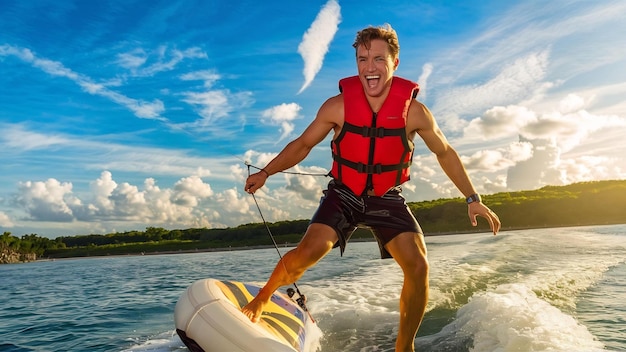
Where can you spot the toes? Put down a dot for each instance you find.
(251, 315)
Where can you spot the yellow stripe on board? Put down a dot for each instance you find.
(237, 294)
(275, 319)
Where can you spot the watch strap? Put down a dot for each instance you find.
(473, 198)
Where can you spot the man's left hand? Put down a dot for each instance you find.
(475, 209)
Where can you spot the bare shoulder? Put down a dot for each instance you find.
(333, 106)
(420, 118)
(329, 118)
(422, 122)
(332, 111)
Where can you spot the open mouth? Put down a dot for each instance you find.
(372, 80)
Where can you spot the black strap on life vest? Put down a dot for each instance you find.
(373, 132)
(370, 169)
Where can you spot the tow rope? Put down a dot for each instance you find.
(301, 300)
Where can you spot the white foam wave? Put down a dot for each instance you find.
(165, 342)
(313, 336)
(355, 315)
(513, 318)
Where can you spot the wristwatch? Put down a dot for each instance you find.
(473, 198)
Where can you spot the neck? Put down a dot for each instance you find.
(376, 102)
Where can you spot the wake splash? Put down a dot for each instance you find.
(164, 342)
(511, 317)
(313, 337)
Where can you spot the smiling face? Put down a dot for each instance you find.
(376, 66)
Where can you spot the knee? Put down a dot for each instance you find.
(305, 256)
(311, 253)
(316, 243)
(417, 267)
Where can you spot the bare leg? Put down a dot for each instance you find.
(409, 250)
(316, 243)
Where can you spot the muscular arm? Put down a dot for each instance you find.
(298, 149)
(449, 160)
(421, 119)
(423, 122)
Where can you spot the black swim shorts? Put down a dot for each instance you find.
(386, 216)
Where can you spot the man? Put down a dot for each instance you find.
(374, 124)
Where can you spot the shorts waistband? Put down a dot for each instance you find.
(334, 183)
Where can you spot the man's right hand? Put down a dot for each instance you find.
(255, 181)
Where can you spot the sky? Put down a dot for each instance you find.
(120, 115)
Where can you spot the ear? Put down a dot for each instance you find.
(396, 62)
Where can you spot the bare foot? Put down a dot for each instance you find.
(254, 309)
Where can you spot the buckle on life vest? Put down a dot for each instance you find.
(369, 169)
(373, 132)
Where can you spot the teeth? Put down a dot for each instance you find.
(372, 77)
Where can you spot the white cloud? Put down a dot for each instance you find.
(168, 59)
(190, 190)
(568, 127)
(213, 106)
(164, 59)
(516, 82)
(231, 201)
(283, 115)
(499, 122)
(208, 76)
(545, 138)
(21, 53)
(133, 59)
(190, 202)
(256, 159)
(141, 109)
(16, 136)
(93, 154)
(305, 185)
(5, 220)
(102, 189)
(283, 112)
(427, 70)
(562, 145)
(572, 103)
(130, 203)
(493, 160)
(274, 205)
(590, 168)
(539, 170)
(317, 39)
(571, 129)
(49, 200)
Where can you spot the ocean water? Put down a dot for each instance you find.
(558, 289)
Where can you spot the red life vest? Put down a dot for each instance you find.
(372, 151)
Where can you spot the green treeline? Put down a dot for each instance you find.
(578, 204)
(587, 203)
(27, 244)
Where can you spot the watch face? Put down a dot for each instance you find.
(473, 198)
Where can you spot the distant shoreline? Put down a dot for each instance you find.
(289, 245)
